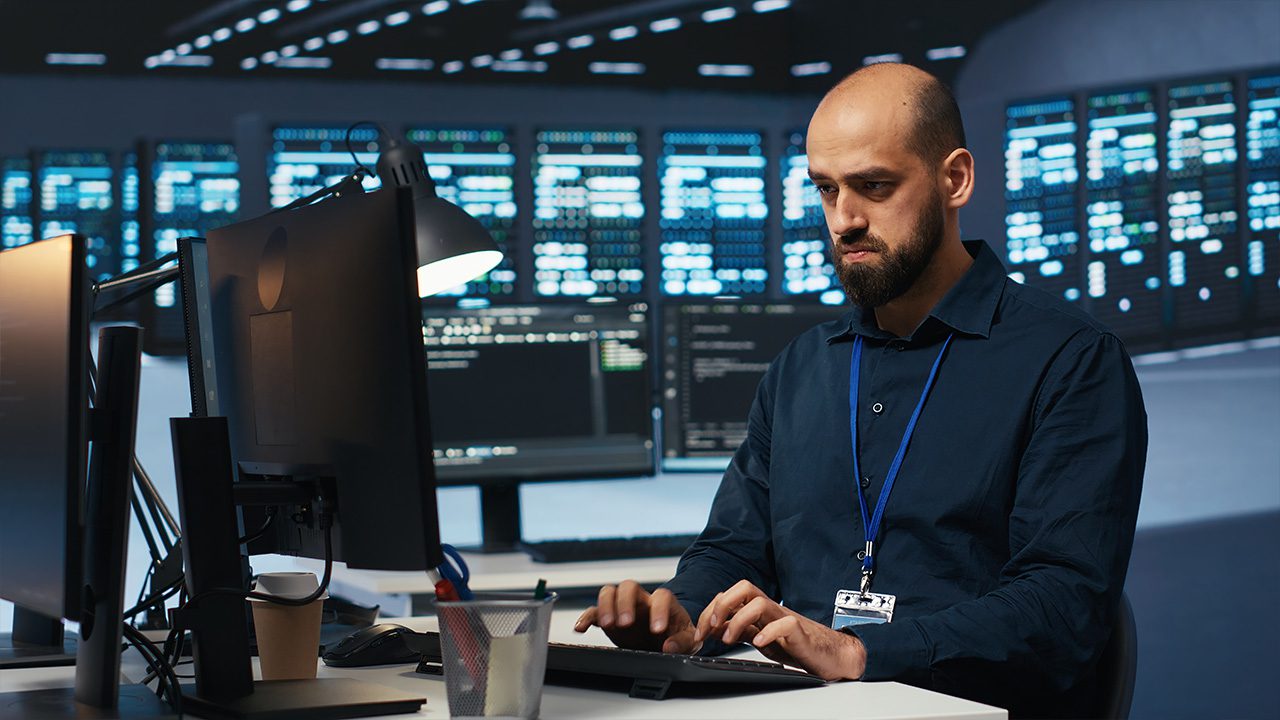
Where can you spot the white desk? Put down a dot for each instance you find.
(864, 701)
(394, 591)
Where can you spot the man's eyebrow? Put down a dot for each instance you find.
(875, 172)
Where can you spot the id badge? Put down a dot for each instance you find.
(854, 608)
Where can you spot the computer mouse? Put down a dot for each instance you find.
(381, 644)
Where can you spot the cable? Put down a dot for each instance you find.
(347, 140)
(271, 518)
(159, 662)
(319, 592)
(160, 595)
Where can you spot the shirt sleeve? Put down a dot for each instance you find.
(736, 543)
(1070, 534)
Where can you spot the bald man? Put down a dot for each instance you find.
(941, 487)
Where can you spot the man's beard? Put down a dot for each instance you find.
(869, 285)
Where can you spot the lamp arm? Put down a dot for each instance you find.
(147, 277)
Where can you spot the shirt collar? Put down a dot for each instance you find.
(968, 307)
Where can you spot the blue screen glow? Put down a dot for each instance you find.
(1041, 240)
(15, 202)
(196, 188)
(1262, 148)
(1204, 257)
(306, 159)
(713, 213)
(587, 213)
(1123, 275)
(77, 194)
(806, 260)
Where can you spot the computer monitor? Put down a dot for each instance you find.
(317, 341)
(714, 355)
(43, 409)
(537, 392)
(63, 538)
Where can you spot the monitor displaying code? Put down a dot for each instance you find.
(713, 358)
(475, 170)
(588, 214)
(539, 392)
(713, 213)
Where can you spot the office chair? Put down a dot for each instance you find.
(1119, 665)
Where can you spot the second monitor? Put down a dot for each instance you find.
(546, 392)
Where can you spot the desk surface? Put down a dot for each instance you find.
(489, 573)
(866, 701)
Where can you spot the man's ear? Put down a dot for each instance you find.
(957, 178)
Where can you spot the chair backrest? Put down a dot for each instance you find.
(1119, 665)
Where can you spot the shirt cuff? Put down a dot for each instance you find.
(895, 651)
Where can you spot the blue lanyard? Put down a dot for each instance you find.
(871, 525)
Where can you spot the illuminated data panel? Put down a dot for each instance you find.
(196, 188)
(1122, 164)
(588, 213)
(475, 170)
(130, 248)
(806, 260)
(1041, 239)
(15, 202)
(77, 194)
(306, 159)
(713, 213)
(1262, 147)
(1204, 255)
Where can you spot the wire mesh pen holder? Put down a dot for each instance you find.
(494, 652)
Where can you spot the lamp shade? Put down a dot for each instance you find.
(453, 247)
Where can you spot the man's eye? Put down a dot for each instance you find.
(825, 189)
(874, 185)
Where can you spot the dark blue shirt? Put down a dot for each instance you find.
(1007, 535)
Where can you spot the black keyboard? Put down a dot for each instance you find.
(622, 548)
(644, 674)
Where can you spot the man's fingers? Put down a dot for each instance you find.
(627, 601)
(662, 604)
(708, 618)
(605, 605)
(585, 620)
(759, 612)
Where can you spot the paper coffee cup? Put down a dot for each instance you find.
(288, 635)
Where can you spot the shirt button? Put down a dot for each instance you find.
(877, 408)
(866, 483)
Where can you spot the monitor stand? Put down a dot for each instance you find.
(36, 641)
(499, 517)
(224, 685)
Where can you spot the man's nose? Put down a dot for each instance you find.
(845, 217)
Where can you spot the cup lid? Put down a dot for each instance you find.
(291, 585)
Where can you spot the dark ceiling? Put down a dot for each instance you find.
(750, 45)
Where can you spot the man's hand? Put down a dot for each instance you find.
(744, 613)
(632, 618)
